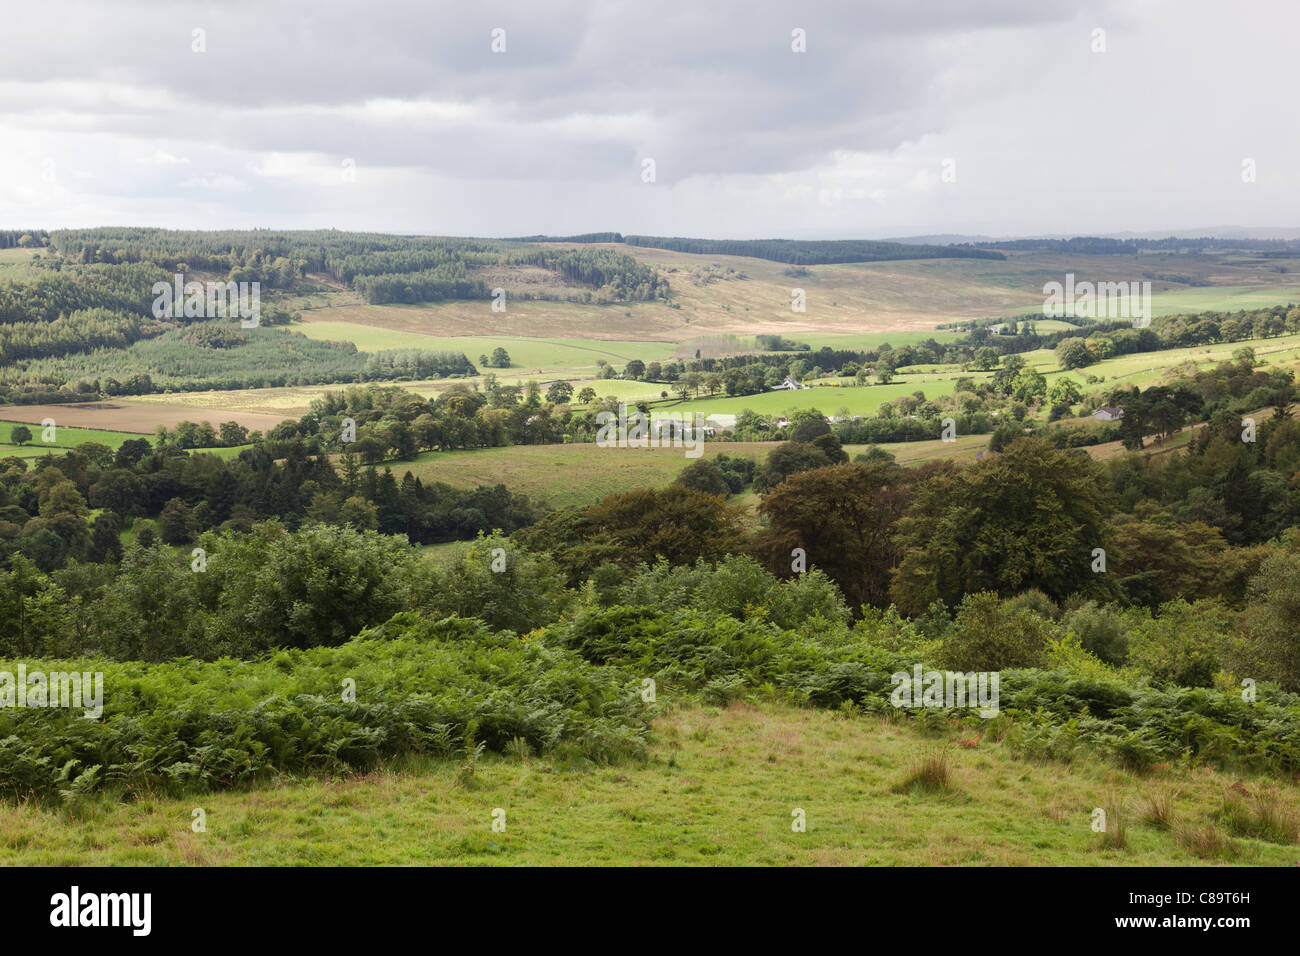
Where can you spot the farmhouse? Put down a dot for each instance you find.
(791, 383)
(1108, 413)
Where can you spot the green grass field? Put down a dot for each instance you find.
(563, 475)
(525, 353)
(64, 438)
(829, 399)
(69, 438)
(720, 788)
(1149, 368)
(1219, 298)
(870, 340)
(567, 475)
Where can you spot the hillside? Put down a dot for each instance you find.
(718, 788)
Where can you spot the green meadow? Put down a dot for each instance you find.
(829, 399)
(563, 475)
(64, 438)
(1217, 298)
(720, 787)
(525, 353)
(69, 438)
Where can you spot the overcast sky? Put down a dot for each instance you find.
(397, 115)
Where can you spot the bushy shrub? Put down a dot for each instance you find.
(1184, 644)
(919, 638)
(692, 648)
(236, 595)
(740, 587)
(704, 475)
(316, 586)
(989, 635)
(1036, 601)
(1101, 631)
(1066, 653)
(738, 472)
(1273, 615)
(500, 583)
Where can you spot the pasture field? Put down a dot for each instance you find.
(870, 340)
(1225, 298)
(632, 321)
(525, 353)
(227, 451)
(962, 448)
(623, 389)
(1219, 298)
(560, 476)
(718, 789)
(64, 438)
(580, 474)
(829, 399)
(563, 475)
(10, 257)
(1149, 368)
(69, 438)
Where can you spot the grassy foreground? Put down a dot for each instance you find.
(719, 788)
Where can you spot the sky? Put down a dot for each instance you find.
(725, 119)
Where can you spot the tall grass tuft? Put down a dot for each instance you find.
(1206, 842)
(1261, 816)
(930, 773)
(1160, 808)
(1115, 836)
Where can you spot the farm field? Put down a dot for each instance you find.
(630, 321)
(567, 475)
(829, 399)
(134, 416)
(525, 353)
(563, 475)
(69, 438)
(1218, 298)
(64, 438)
(269, 406)
(1147, 368)
(718, 789)
(12, 257)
